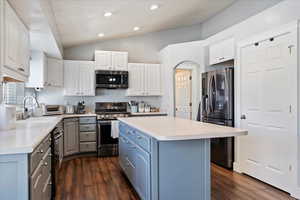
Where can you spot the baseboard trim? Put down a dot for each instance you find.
(236, 167)
(296, 193)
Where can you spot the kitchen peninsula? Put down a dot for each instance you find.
(167, 157)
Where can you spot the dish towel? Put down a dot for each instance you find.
(115, 129)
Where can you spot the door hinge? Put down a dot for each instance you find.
(290, 48)
(290, 108)
(191, 104)
(290, 168)
(190, 77)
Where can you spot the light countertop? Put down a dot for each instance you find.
(171, 128)
(30, 133)
(147, 113)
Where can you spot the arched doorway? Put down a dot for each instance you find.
(186, 90)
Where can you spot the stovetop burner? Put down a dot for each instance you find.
(111, 110)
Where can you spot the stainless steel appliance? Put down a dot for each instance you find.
(106, 113)
(218, 108)
(57, 151)
(80, 107)
(53, 110)
(111, 79)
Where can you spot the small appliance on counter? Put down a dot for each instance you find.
(53, 110)
(7, 117)
(80, 107)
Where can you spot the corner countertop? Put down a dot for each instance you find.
(29, 133)
(171, 128)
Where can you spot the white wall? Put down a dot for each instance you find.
(172, 56)
(52, 95)
(272, 18)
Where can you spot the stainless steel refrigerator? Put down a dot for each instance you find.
(218, 108)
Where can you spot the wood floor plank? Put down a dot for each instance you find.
(94, 178)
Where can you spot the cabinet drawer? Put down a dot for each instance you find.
(142, 140)
(47, 164)
(87, 128)
(75, 119)
(36, 183)
(126, 131)
(87, 136)
(46, 142)
(88, 146)
(87, 120)
(46, 192)
(35, 158)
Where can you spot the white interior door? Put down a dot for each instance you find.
(183, 94)
(268, 91)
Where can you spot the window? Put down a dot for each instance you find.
(13, 93)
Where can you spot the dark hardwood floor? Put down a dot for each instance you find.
(93, 178)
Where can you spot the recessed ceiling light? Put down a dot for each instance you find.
(107, 14)
(136, 28)
(154, 7)
(101, 35)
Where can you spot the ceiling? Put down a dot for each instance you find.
(80, 21)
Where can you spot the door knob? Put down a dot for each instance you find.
(243, 117)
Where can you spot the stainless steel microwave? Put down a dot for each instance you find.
(111, 79)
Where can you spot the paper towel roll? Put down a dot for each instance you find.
(7, 117)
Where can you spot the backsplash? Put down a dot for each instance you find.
(51, 95)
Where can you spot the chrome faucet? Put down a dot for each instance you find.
(26, 113)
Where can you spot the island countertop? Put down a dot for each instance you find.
(172, 128)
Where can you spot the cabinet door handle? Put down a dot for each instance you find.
(41, 151)
(21, 69)
(45, 164)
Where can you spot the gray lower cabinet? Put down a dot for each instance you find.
(88, 134)
(71, 136)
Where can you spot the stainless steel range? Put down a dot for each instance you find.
(106, 113)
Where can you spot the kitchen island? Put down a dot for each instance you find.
(169, 158)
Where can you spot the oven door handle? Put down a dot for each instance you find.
(104, 123)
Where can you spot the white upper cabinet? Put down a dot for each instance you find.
(71, 78)
(221, 52)
(79, 78)
(111, 60)
(120, 61)
(16, 47)
(144, 79)
(136, 74)
(55, 72)
(152, 80)
(38, 70)
(103, 60)
(87, 78)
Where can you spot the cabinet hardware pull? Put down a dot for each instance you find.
(139, 137)
(41, 151)
(46, 164)
(21, 69)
